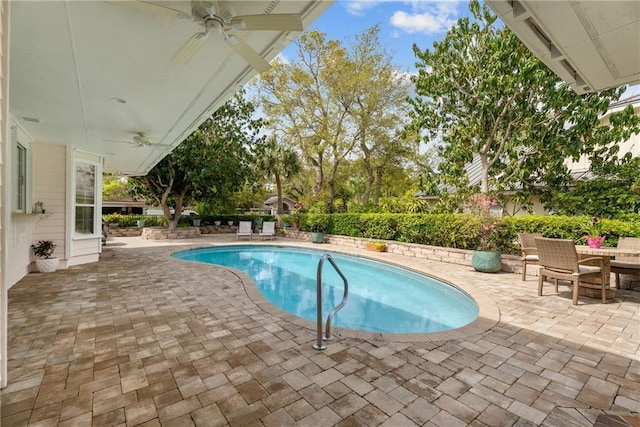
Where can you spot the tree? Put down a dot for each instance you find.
(211, 163)
(277, 161)
(485, 95)
(331, 101)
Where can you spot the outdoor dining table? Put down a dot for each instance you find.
(591, 287)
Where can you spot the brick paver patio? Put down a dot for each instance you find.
(140, 338)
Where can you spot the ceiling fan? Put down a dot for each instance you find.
(212, 18)
(140, 140)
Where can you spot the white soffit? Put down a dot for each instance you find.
(98, 76)
(592, 45)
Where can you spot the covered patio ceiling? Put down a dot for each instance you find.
(99, 75)
(592, 45)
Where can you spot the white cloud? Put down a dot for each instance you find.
(426, 17)
(358, 7)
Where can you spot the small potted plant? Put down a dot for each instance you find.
(595, 237)
(43, 250)
(376, 246)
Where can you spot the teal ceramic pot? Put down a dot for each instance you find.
(486, 261)
(317, 237)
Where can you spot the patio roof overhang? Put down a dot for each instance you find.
(592, 45)
(95, 74)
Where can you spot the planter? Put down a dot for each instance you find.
(376, 246)
(286, 224)
(595, 242)
(140, 223)
(486, 261)
(196, 222)
(317, 237)
(46, 265)
(217, 222)
(230, 222)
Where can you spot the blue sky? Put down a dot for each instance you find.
(402, 23)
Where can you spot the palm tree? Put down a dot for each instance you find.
(278, 161)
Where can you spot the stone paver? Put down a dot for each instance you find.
(140, 338)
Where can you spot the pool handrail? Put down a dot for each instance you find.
(319, 345)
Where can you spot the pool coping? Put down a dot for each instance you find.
(488, 311)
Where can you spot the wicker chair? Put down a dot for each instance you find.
(529, 251)
(626, 264)
(559, 260)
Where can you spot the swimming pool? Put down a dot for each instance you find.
(382, 298)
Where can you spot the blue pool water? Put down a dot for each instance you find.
(382, 297)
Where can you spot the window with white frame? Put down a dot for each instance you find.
(21, 178)
(85, 197)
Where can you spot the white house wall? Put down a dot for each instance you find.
(50, 187)
(4, 191)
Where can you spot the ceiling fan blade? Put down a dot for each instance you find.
(151, 7)
(275, 22)
(188, 49)
(249, 55)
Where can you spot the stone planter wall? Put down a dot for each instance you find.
(161, 233)
(510, 263)
(137, 231)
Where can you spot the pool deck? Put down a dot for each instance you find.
(140, 338)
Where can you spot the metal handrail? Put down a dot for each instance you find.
(319, 345)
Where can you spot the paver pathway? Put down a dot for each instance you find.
(140, 338)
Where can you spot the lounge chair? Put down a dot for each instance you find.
(244, 229)
(529, 251)
(559, 260)
(626, 264)
(268, 230)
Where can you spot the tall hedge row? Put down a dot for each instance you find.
(462, 230)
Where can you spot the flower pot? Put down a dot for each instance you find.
(376, 246)
(46, 265)
(230, 222)
(486, 261)
(196, 222)
(286, 224)
(140, 223)
(595, 241)
(217, 222)
(317, 237)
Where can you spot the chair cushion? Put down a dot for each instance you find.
(625, 264)
(588, 269)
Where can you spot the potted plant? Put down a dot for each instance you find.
(45, 263)
(376, 246)
(487, 258)
(594, 236)
(317, 234)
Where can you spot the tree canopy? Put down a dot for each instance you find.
(481, 94)
(334, 104)
(210, 164)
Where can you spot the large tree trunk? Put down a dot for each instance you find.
(317, 165)
(484, 177)
(280, 209)
(376, 197)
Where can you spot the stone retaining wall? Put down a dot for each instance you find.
(510, 263)
(162, 233)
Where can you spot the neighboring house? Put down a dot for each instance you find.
(123, 207)
(287, 204)
(92, 87)
(579, 169)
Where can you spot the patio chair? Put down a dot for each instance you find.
(559, 260)
(268, 230)
(529, 251)
(626, 264)
(244, 229)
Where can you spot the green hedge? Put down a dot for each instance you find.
(462, 230)
(159, 220)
